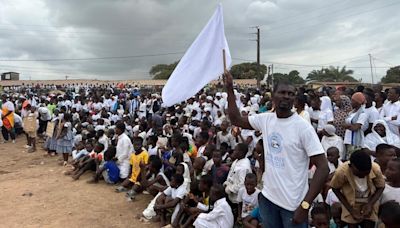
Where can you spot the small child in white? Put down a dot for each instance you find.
(248, 196)
(221, 215)
(240, 167)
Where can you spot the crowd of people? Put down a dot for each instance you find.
(226, 157)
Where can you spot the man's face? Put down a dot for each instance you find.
(358, 173)
(392, 95)
(392, 171)
(284, 97)
(387, 155)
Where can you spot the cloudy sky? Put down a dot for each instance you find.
(76, 38)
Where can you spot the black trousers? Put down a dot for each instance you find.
(8, 133)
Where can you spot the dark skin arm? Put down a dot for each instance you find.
(352, 127)
(169, 204)
(239, 218)
(354, 213)
(317, 183)
(246, 222)
(233, 111)
(367, 208)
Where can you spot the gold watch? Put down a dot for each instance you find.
(305, 205)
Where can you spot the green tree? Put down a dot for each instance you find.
(293, 77)
(248, 71)
(392, 75)
(332, 74)
(163, 71)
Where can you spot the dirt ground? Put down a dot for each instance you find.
(34, 192)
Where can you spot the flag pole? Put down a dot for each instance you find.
(224, 59)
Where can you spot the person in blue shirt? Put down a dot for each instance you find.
(109, 170)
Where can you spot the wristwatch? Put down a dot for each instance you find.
(305, 205)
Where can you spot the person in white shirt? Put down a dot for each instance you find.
(330, 139)
(391, 110)
(239, 169)
(380, 135)
(300, 104)
(221, 215)
(354, 124)
(290, 145)
(370, 110)
(392, 187)
(124, 150)
(334, 162)
(248, 196)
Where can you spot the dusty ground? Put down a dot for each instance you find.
(34, 192)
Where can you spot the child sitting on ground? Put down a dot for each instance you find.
(88, 162)
(239, 169)
(170, 198)
(79, 151)
(159, 182)
(248, 196)
(140, 156)
(221, 215)
(109, 170)
(219, 171)
(359, 184)
(194, 204)
(320, 216)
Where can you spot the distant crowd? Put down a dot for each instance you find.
(227, 157)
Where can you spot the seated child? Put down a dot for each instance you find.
(170, 198)
(139, 156)
(389, 213)
(109, 170)
(320, 216)
(248, 196)
(240, 167)
(392, 187)
(359, 184)
(87, 162)
(80, 151)
(221, 215)
(332, 154)
(197, 168)
(159, 182)
(219, 171)
(195, 203)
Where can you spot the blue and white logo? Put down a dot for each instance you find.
(275, 143)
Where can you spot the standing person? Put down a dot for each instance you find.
(343, 105)
(291, 143)
(124, 150)
(7, 117)
(65, 139)
(299, 104)
(391, 110)
(354, 124)
(370, 110)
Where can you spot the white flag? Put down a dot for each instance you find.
(202, 62)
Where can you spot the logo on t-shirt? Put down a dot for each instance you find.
(275, 143)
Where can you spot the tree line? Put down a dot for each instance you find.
(253, 71)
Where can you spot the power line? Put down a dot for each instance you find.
(94, 58)
(329, 21)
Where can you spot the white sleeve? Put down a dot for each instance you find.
(310, 141)
(168, 191)
(363, 119)
(212, 215)
(258, 121)
(240, 194)
(180, 193)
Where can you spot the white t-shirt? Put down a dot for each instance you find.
(249, 202)
(362, 119)
(174, 193)
(390, 193)
(372, 116)
(288, 143)
(331, 198)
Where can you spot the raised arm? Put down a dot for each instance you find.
(233, 111)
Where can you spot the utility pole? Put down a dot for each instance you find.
(258, 74)
(370, 63)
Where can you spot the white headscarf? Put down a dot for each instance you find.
(373, 139)
(326, 104)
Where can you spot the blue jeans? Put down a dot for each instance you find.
(273, 216)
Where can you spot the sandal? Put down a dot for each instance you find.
(121, 189)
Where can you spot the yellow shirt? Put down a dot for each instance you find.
(135, 161)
